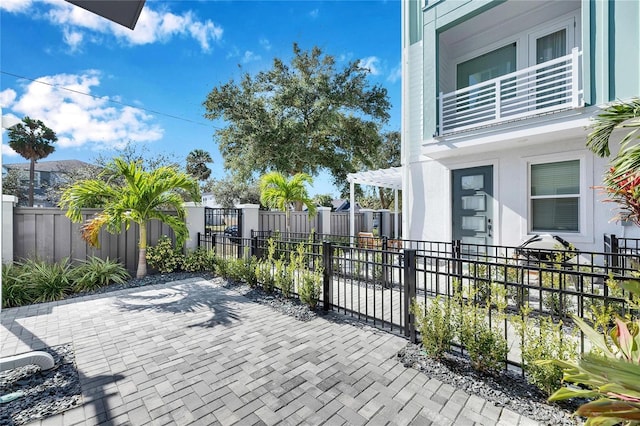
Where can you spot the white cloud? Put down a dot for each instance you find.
(73, 39)
(371, 64)
(7, 97)
(314, 13)
(81, 120)
(15, 5)
(396, 73)
(153, 26)
(7, 151)
(250, 56)
(265, 43)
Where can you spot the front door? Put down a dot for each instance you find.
(472, 192)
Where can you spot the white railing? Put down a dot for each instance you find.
(551, 86)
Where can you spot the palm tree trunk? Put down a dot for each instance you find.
(287, 218)
(32, 177)
(142, 251)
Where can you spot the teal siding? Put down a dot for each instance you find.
(624, 61)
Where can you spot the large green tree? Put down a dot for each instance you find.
(127, 193)
(197, 164)
(303, 117)
(279, 192)
(232, 190)
(387, 156)
(33, 141)
(621, 182)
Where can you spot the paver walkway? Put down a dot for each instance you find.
(192, 352)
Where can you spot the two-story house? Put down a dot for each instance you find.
(497, 100)
(48, 175)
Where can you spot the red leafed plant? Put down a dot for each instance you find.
(624, 190)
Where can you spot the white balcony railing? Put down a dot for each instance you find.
(551, 86)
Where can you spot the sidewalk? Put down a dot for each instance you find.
(192, 352)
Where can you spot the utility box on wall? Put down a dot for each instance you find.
(8, 203)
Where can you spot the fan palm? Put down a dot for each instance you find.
(126, 194)
(276, 191)
(33, 141)
(197, 164)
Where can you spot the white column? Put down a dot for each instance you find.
(195, 224)
(8, 203)
(395, 208)
(250, 218)
(324, 220)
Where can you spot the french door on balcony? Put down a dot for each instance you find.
(543, 49)
(472, 205)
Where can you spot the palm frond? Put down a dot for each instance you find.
(618, 115)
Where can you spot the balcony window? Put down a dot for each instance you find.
(485, 67)
(555, 197)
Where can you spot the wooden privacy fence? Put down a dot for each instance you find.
(276, 221)
(47, 234)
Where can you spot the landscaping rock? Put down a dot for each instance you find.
(45, 393)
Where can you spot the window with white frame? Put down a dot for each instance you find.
(555, 196)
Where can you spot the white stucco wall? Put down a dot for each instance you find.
(430, 188)
(8, 203)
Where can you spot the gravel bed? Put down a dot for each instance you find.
(508, 389)
(45, 392)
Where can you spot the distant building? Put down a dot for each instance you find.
(48, 174)
(342, 205)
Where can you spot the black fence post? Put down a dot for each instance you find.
(198, 239)
(409, 293)
(327, 275)
(385, 262)
(254, 246)
(456, 246)
(241, 240)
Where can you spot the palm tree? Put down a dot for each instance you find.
(142, 196)
(197, 164)
(621, 182)
(276, 191)
(615, 116)
(33, 141)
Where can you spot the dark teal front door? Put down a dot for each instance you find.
(472, 205)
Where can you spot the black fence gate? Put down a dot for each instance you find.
(223, 231)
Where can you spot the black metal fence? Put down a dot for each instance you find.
(377, 282)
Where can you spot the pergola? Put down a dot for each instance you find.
(382, 178)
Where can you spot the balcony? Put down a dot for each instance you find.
(549, 87)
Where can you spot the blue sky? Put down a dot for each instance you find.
(140, 80)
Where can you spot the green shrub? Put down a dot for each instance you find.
(542, 339)
(163, 257)
(310, 288)
(199, 260)
(249, 271)
(236, 269)
(283, 278)
(221, 266)
(16, 290)
(96, 272)
(435, 325)
(49, 281)
(264, 275)
(487, 347)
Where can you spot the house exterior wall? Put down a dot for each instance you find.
(607, 34)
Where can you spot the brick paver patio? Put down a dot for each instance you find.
(193, 352)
